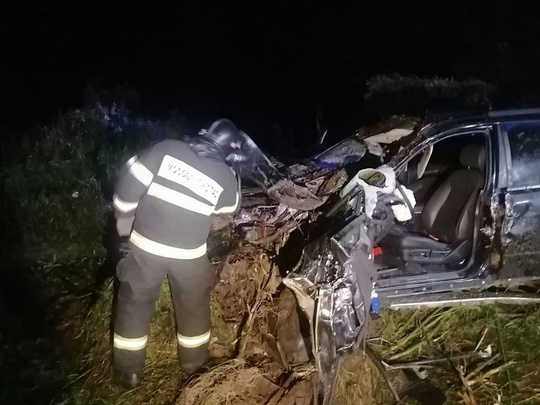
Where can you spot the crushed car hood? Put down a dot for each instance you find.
(286, 196)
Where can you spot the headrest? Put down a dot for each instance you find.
(473, 157)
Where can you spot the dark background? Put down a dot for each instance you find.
(255, 62)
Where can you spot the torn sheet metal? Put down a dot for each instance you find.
(372, 139)
(333, 285)
(292, 195)
(508, 220)
(326, 358)
(384, 175)
(267, 221)
(375, 148)
(306, 186)
(251, 163)
(390, 130)
(289, 196)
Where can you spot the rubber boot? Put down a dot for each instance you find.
(192, 364)
(127, 380)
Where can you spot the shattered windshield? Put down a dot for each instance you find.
(380, 141)
(349, 151)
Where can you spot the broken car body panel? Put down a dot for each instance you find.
(521, 233)
(252, 164)
(370, 139)
(332, 283)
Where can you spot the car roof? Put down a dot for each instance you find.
(438, 123)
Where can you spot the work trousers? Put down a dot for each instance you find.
(141, 275)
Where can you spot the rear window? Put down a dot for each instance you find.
(524, 139)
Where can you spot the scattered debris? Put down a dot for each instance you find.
(236, 382)
(268, 223)
(294, 196)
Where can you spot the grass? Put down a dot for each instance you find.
(162, 378)
(511, 375)
(53, 214)
(163, 375)
(359, 382)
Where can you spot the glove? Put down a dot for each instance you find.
(124, 248)
(236, 157)
(124, 226)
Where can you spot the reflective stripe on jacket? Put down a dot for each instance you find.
(173, 193)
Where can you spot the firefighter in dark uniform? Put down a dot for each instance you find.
(164, 201)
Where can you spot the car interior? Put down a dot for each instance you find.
(446, 179)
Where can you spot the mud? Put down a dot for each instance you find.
(270, 364)
(522, 257)
(246, 274)
(279, 331)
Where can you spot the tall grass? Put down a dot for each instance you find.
(511, 375)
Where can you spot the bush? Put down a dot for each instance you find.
(396, 94)
(57, 191)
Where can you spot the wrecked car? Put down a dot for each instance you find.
(445, 211)
(474, 216)
(468, 191)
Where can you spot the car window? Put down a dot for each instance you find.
(524, 140)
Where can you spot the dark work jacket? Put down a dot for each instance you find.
(172, 192)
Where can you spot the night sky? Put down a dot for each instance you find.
(255, 62)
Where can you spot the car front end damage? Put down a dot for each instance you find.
(335, 280)
(333, 286)
(279, 198)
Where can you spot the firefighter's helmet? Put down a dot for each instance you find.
(225, 135)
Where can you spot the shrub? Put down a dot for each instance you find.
(56, 195)
(396, 94)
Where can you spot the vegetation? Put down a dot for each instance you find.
(510, 375)
(398, 94)
(54, 213)
(57, 290)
